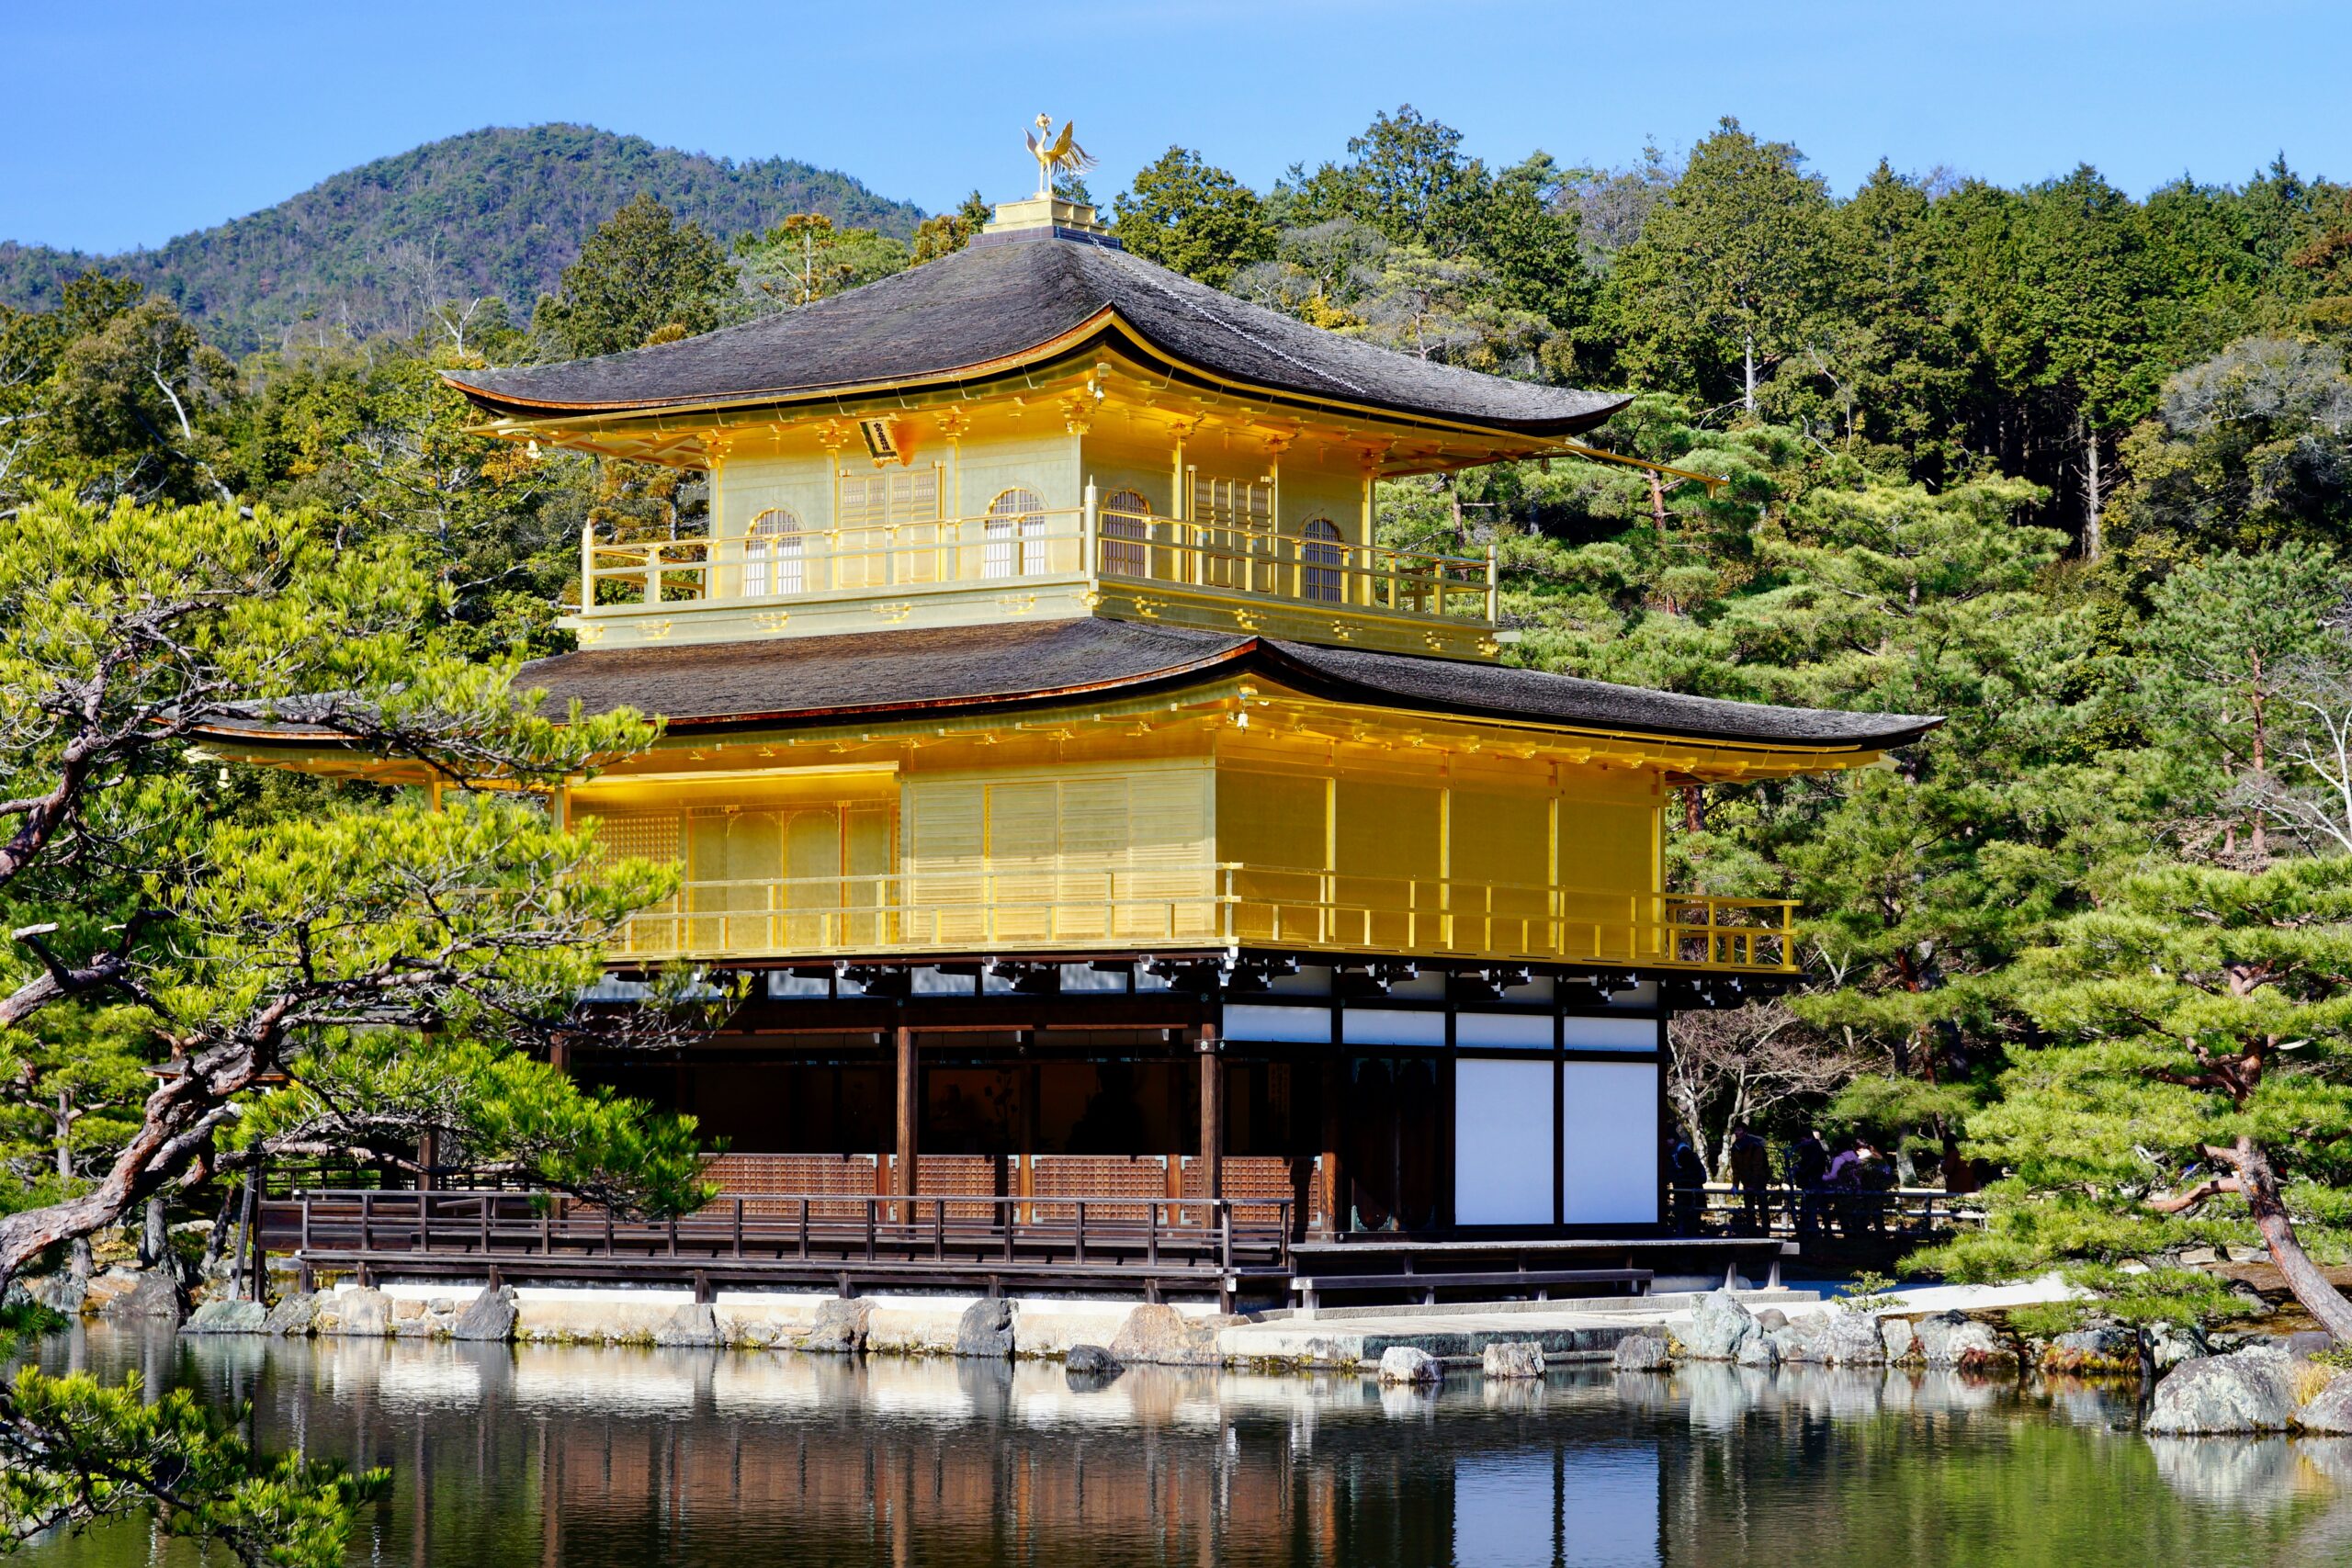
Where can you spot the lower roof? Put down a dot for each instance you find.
(791, 680)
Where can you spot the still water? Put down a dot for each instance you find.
(534, 1455)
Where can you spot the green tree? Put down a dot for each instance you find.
(1926, 880)
(945, 234)
(1451, 309)
(642, 272)
(1729, 270)
(1193, 218)
(806, 257)
(129, 400)
(2081, 327)
(1406, 177)
(1886, 377)
(2248, 449)
(2194, 1065)
(2227, 641)
(465, 936)
(74, 1451)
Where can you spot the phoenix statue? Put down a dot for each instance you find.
(1056, 154)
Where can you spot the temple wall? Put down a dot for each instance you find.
(1458, 854)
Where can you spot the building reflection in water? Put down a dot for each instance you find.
(632, 1458)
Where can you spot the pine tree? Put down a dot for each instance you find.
(642, 272)
(1193, 218)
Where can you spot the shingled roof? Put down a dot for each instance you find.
(993, 305)
(795, 681)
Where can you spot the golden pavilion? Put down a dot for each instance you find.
(1104, 813)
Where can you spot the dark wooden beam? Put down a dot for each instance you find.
(910, 1102)
(1334, 1215)
(1212, 1113)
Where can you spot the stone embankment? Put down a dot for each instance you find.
(2201, 1388)
(1099, 1338)
(1724, 1329)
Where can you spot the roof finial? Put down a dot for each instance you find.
(1056, 153)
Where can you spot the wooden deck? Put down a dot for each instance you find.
(849, 1244)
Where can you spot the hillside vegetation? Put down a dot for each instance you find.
(500, 211)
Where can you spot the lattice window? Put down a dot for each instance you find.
(649, 838)
(1125, 523)
(1323, 555)
(1233, 503)
(773, 562)
(890, 497)
(1014, 535)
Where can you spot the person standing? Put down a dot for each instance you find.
(1751, 1173)
(1809, 1172)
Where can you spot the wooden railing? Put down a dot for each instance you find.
(1907, 1210)
(1049, 904)
(752, 1235)
(1221, 559)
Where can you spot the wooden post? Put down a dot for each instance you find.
(260, 1244)
(1333, 1215)
(1212, 1114)
(909, 1103)
(1089, 529)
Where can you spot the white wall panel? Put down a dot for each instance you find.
(1611, 1035)
(1505, 1031)
(1393, 1026)
(1502, 1143)
(1248, 1021)
(1610, 1162)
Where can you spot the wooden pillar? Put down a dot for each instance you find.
(909, 1101)
(1029, 1091)
(1334, 1215)
(1212, 1113)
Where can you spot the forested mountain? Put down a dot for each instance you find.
(497, 211)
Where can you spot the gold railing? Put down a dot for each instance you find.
(1261, 563)
(1052, 907)
(1221, 559)
(815, 561)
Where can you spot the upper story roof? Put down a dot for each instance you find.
(1009, 299)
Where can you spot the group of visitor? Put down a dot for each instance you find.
(1845, 1190)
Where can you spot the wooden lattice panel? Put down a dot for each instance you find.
(794, 1176)
(957, 1176)
(1255, 1182)
(1098, 1175)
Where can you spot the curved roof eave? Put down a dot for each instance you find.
(1103, 324)
(980, 670)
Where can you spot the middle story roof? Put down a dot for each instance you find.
(792, 681)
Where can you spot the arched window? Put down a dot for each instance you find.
(1323, 552)
(1126, 524)
(1016, 517)
(772, 562)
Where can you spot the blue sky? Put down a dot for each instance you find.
(128, 122)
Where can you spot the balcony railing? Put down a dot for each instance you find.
(1077, 543)
(1051, 906)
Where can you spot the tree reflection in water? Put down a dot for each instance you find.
(544, 1455)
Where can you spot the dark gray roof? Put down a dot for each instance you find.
(989, 304)
(882, 674)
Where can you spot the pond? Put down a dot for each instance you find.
(539, 1455)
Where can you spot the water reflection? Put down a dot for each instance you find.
(637, 1457)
